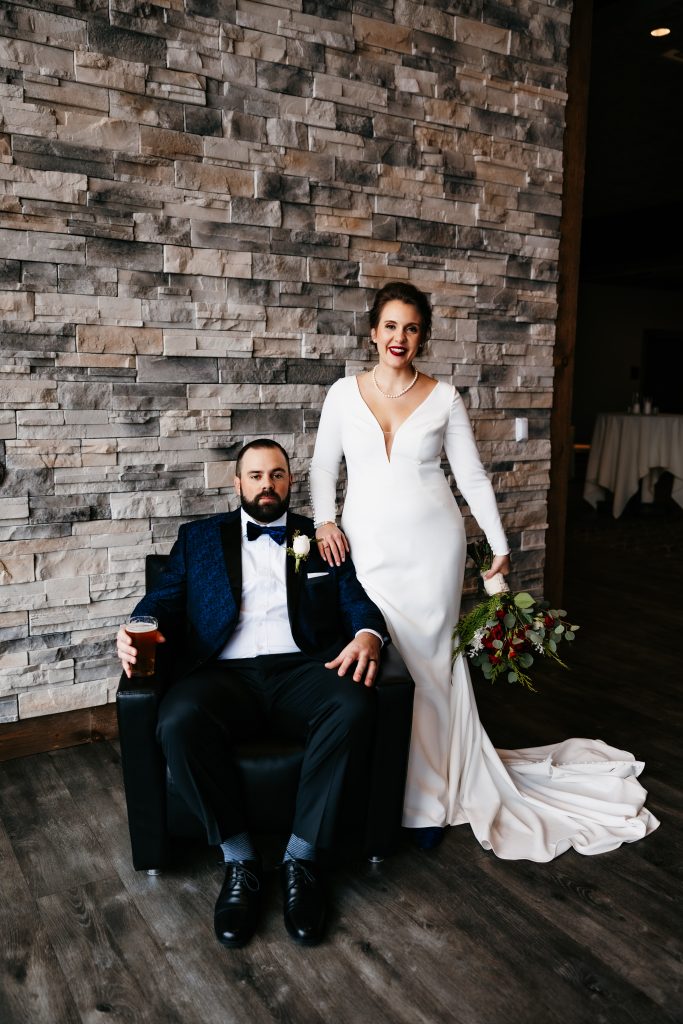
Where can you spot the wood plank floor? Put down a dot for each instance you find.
(449, 936)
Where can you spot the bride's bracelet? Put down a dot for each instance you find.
(324, 522)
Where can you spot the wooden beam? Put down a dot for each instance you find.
(568, 288)
(52, 732)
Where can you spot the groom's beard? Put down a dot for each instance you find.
(266, 511)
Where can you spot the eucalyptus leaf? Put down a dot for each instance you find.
(524, 600)
(552, 645)
(533, 637)
(569, 635)
(526, 660)
(509, 621)
(512, 677)
(498, 644)
(559, 629)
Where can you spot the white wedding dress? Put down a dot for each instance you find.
(408, 545)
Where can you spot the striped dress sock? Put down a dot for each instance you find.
(299, 849)
(238, 847)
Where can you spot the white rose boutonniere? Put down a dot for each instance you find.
(300, 549)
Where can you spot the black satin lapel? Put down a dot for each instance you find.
(231, 539)
(294, 579)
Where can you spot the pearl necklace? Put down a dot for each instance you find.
(398, 393)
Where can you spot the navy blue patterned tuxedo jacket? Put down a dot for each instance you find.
(198, 600)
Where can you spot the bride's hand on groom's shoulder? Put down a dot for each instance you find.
(332, 543)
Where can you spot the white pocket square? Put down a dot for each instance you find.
(314, 575)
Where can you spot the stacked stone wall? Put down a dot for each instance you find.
(197, 200)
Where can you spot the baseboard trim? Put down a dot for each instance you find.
(52, 732)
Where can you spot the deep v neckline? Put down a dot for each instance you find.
(410, 415)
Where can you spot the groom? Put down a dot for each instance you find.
(269, 639)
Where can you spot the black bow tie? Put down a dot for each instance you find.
(276, 533)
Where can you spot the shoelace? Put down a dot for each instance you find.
(301, 869)
(244, 875)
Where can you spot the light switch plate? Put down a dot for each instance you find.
(521, 428)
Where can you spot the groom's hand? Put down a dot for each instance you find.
(363, 649)
(127, 653)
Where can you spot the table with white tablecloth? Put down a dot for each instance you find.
(628, 452)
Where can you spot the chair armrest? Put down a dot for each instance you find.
(392, 669)
(144, 770)
(395, 690)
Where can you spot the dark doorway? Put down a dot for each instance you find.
(663, 369)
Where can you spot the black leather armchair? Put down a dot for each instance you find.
(269, 769)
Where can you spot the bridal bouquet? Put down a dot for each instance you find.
(505, 632)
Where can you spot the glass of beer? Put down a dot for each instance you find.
(142, 629)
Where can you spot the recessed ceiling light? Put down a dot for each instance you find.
(660, 31)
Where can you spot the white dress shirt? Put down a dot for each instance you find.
(263, 624)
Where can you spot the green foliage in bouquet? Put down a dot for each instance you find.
(504, 633)
(481, 554)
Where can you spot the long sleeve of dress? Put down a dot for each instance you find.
(470, 475)
(327, 457)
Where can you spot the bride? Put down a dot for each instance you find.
(405, 531)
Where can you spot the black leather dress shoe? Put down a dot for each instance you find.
(304, 901)
(239, 903)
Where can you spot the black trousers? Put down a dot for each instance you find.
(290, 695)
